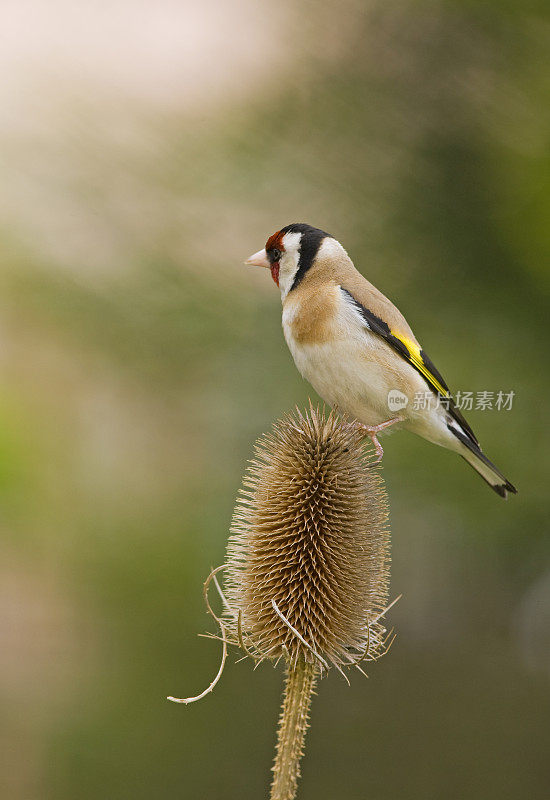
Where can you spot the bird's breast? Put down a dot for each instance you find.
(351, 366)
(312, 318)
(339, 357)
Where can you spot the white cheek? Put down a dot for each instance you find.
(287, 271)
(289, 262)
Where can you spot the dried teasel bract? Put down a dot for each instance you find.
(307, 571)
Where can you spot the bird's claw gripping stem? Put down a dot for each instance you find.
(372, 430)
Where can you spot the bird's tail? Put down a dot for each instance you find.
(474, 455)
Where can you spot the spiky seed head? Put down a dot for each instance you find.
(308, 559)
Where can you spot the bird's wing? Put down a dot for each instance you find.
(411, 352)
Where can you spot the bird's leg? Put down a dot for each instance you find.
(372, 430)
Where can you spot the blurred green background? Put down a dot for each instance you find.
(146, 150)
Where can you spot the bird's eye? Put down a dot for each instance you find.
(274, 254)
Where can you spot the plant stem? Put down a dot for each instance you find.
(293, 723)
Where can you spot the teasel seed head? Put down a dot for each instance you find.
(308, 557)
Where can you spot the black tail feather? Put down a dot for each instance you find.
(502, 488)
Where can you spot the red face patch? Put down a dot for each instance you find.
(275, 242)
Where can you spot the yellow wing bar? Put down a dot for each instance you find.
(406, 348)
(423, 364)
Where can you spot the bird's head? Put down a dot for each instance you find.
(289, 254)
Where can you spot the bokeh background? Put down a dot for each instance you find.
(146, 149)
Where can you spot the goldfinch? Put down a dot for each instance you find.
(357, 350)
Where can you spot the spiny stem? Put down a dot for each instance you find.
(293, 723)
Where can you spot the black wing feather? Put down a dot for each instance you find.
(378, 326)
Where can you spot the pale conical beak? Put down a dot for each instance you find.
(259, 259)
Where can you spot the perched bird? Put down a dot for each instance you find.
(358, 351)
